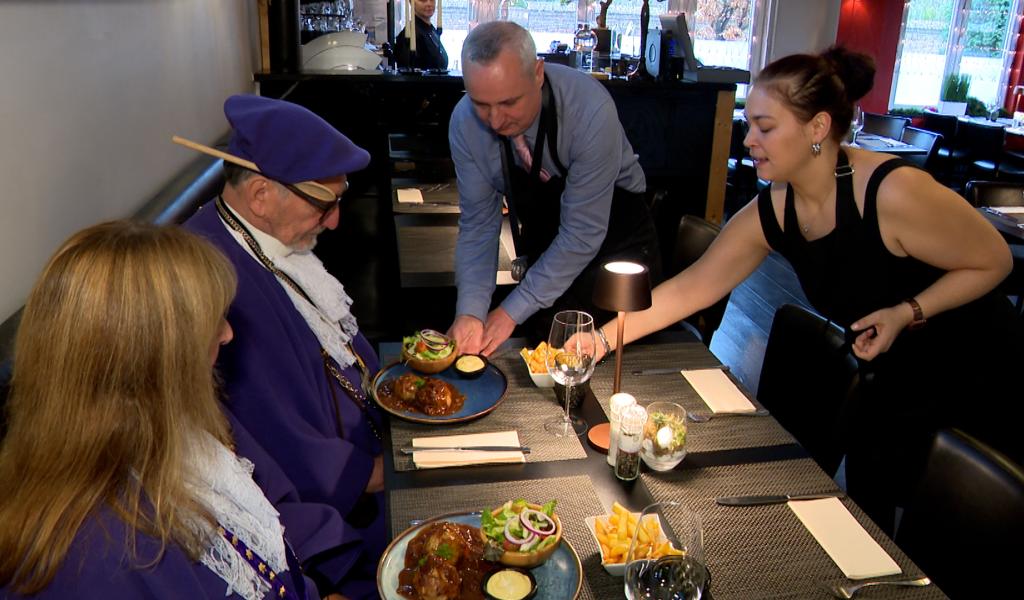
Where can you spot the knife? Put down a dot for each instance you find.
(760, 500)
(523, 449)
(666, 371)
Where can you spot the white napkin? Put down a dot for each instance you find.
(1008, 210)
(718, 391)
(853, 550)
(410, 196)
(438, 458)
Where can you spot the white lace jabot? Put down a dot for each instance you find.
(331, 321)
(222, 482)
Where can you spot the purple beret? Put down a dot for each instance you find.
(288, 142)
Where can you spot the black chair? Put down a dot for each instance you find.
(889, 126)
(964, 524)
(807, 376)
(929, 140)
(984, 147)
(950, 149)
(694, 237)
(1003, 193)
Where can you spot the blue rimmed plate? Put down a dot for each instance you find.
(483, 394)
(559, 578)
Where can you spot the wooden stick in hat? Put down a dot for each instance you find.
(231, 158)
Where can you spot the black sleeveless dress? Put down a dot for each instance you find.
(956, 371)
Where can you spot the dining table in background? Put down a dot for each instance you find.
(757, 551)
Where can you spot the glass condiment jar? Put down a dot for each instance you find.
(631, 430)
(663, 443)
(618, 403)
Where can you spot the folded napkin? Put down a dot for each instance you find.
(1008, 210)
(410, 196)
(718, 391)
(439, 458)
(853, 550)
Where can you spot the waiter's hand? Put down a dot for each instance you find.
(879, 330)
(468, 332)
(498, 328)
(376, 482)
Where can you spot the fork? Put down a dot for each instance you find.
(850, 590)
(705, 417)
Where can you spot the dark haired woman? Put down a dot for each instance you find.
(882, 249)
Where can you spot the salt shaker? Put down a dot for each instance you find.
(631, 433)
(619, 402)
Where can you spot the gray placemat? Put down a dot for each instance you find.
(524, 409)
(722, 433)
(765, 551)
(577, 500)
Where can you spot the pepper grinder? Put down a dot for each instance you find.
(631, 434)
(619, 402)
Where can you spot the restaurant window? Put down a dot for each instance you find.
(940, 37)
(723, 30)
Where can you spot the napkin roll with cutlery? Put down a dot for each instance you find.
(718, 391)
(433, 459)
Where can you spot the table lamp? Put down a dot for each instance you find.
(622, 287)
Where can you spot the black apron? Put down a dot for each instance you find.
(535, 213)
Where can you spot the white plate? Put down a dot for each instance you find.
(343, 58)
(617, 569)
(354, 39)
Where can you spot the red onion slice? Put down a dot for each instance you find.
(537, 522)
(518, 541)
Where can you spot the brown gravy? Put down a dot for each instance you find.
(427, 395)
(445, 562)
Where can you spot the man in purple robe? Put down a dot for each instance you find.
(297, 373)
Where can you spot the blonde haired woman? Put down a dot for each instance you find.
(121, 481)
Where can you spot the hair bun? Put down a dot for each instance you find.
(855, 69)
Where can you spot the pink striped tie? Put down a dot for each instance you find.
(527, 159)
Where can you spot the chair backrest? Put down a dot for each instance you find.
(889, 126)
(944, 125)
(994, 193)
(929, 140)
(964, 523)
(983, 142)
(694, 237)
(806, 378)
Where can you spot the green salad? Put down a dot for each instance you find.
(428, 345)
(517, 527)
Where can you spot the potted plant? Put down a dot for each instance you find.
(953, 99)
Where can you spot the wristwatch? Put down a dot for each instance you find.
(919, 319)
(604, 340)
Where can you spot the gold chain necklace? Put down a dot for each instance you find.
(358, 396)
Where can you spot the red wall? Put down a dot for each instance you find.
(873, 27)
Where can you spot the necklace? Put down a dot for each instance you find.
(358, 396)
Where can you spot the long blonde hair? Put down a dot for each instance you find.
(112, 379)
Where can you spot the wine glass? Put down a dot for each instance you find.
(672, 577)
(857, 123)
(570, 362)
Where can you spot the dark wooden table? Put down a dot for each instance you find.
(1011, 227)
(806, 581)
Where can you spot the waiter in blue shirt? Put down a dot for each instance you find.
(579, 206)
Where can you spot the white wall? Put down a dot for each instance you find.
(801, 26)
(90, 93)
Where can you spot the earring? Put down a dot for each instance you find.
(816, 149)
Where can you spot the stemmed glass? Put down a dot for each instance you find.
(570, 363)
(671, 577)
(857, 123)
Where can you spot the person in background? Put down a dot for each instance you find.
(298, 372)
(882, 249)
(580, 204)
(122, 481)
(430, 52)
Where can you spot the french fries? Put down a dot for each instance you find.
(615, 532)
(536, 360)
